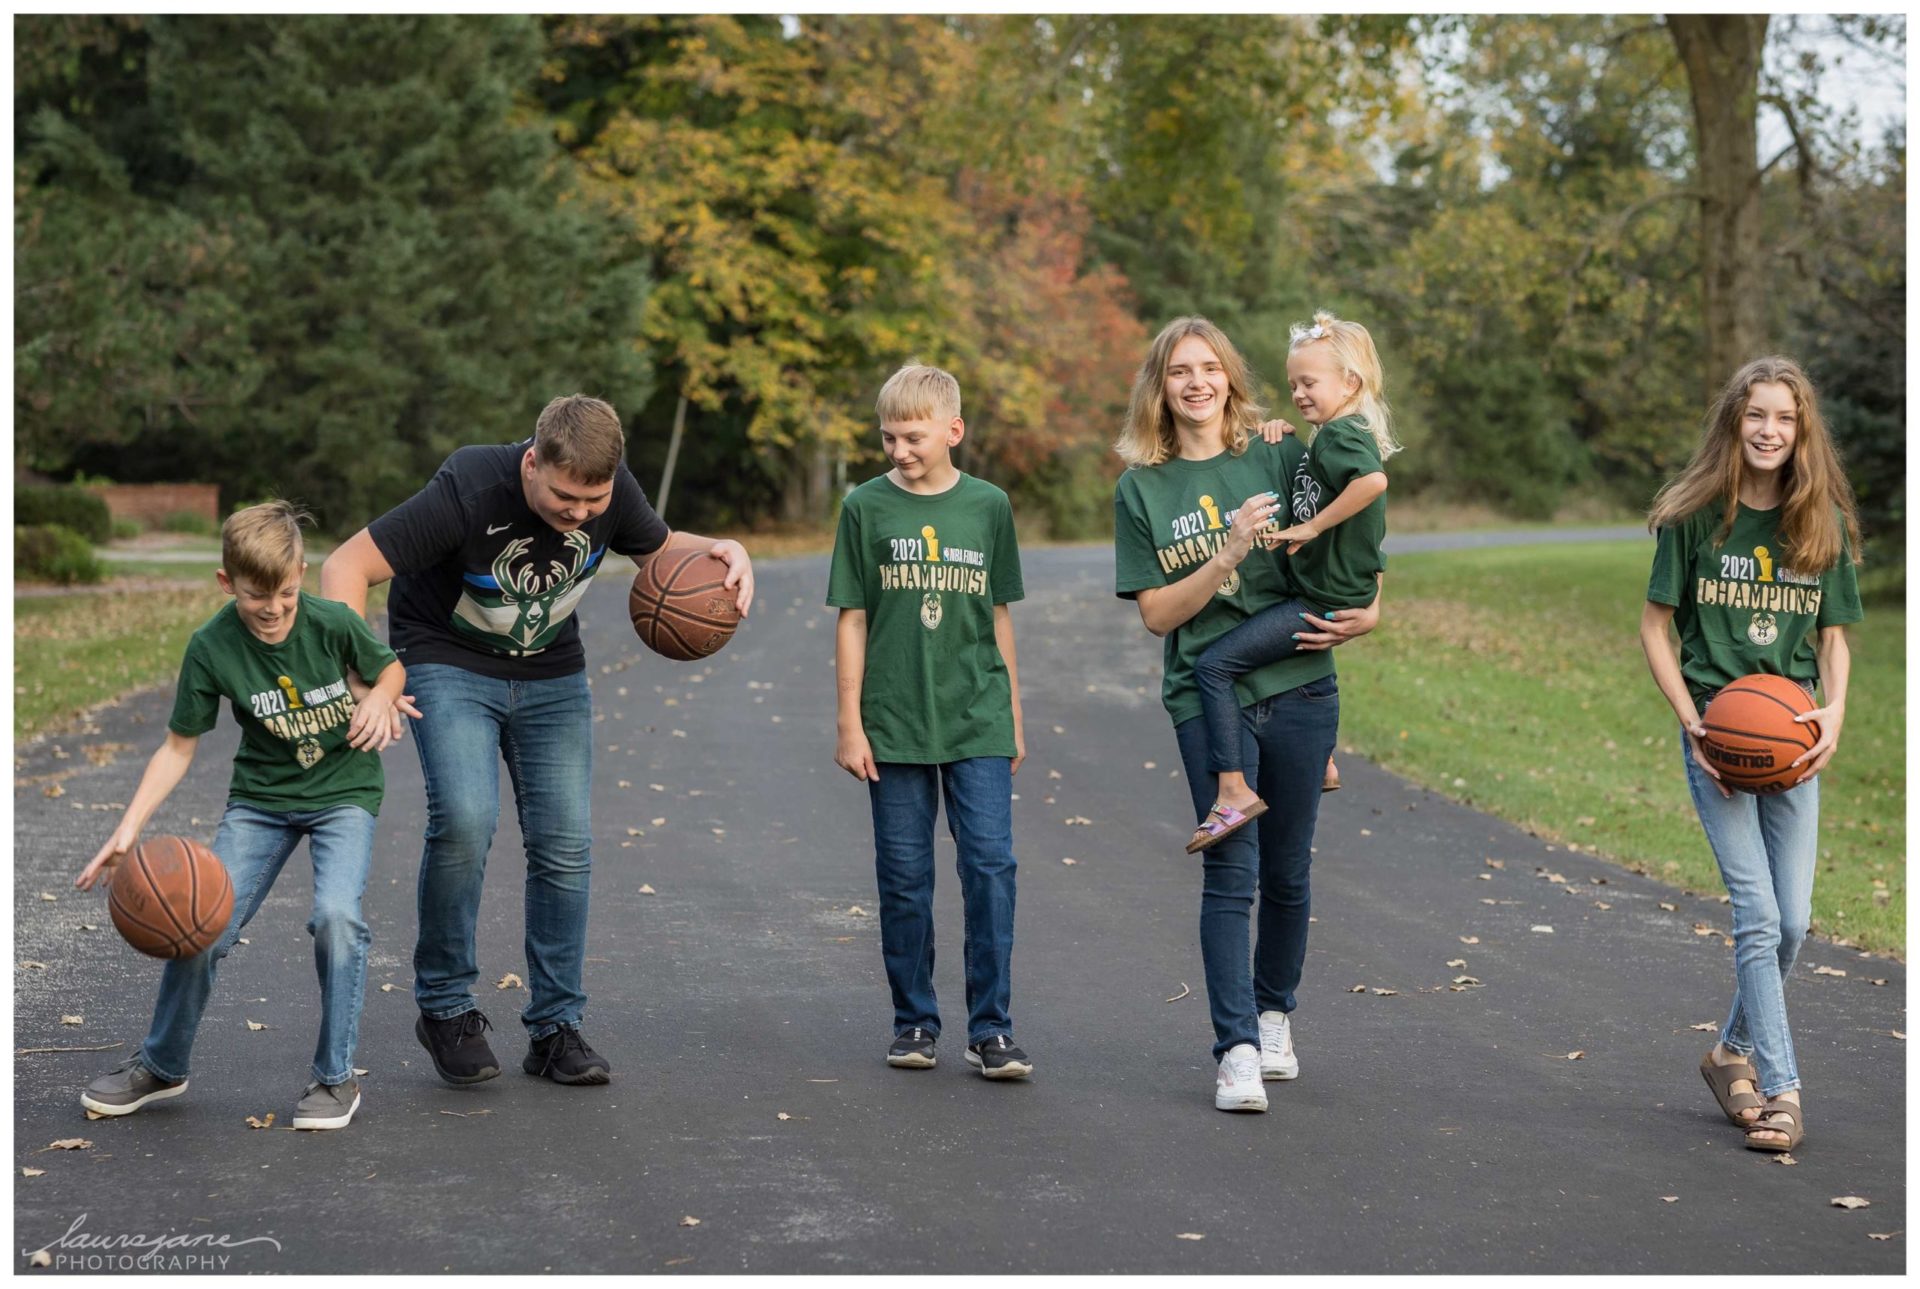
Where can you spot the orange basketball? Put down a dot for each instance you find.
(679, 604)
(171, 898)
(1752, 738)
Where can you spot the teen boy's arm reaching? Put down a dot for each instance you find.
(163, 774)
(1003, 636)
(853, 753)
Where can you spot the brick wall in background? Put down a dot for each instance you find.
(149, 503)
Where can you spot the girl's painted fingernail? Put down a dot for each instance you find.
(1296, 635)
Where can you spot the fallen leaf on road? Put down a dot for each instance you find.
(1149, 765)
(636, 832)
(66, 1143)
(1358, 989)
(358, 1072)
(1849, 1201)
(1671, 908)
(254, 1122)
(1896, 1033)
(1701, 928)
(1601, 904)
(466, 1114)
(1466, 981)
(689, 1221)
(1456, 962)
(31, 965)
(49, 897)
(646, 888)
(660, 822)
(783, 1116)
(1366, 832)
(1788, 1160)
(624, 784)
(1704, 1025)
(1386, 993)
(1871, 1235)
(1558, 878)
(1469, 939)
(823, 1080)
(1542, 929)
(509, 981)
(1185, 989)
(1053, 774)
(73, 1020)
(255, 1025)
(388, 988)
(658, 787)
(856, 911)
(94, 1114)
(53, 790)
(1828, 971)
(1069, 861)
(1872, 981)
(1669, 1199)
(1496, 863)
(1575, 1056)
(1189, 1235)
(33, 1172)
(1081, 820)
(1486, 877)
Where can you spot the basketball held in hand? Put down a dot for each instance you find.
(171, 898)
(1752, 738)
(680, 605)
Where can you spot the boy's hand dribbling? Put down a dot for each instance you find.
(101, 866)
(855, 755)
(1274, 431)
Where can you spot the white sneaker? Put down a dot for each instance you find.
(1277, 1060)
(1238, 1084)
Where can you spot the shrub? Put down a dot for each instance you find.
(125, 529)
(187, 521)
(74, 509)
(51, 553)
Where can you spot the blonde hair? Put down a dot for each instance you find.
(581, 436)
(918, 392)
(1148, 437)
(1817, 501)
(261, 545)
(1353, 353)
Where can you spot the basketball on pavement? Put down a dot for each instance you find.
(171, 898)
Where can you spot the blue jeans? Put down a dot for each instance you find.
(254, 845)
(1285, 741)
(1265, 637)
(906, 798)
(1766, 848)
(544, 729)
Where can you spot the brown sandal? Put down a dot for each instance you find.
(1721, 1078)
(1222, 822)
(1776, 1110)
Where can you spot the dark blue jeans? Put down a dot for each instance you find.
(544, 729)
(1265, 637)
(979, 794)
(1284, 744)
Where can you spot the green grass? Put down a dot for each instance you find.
(72, 652)
(1512, 680)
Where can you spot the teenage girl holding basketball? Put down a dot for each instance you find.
(1757, 541)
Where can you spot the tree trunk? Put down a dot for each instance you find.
(1722, 57)
(804, 493)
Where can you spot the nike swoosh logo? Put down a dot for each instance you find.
(497, 528)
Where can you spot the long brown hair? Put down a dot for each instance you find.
(1814, 485)
(1148, 437)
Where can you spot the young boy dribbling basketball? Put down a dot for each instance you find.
(307, 766)
(925, 563)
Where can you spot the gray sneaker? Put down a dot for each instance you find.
(126, 1089)
(327, 1105)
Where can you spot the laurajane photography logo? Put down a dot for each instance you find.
(82, 1250)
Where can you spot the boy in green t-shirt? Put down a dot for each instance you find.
(310, 728)
(924, 565)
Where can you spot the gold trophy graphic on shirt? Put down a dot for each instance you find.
(1765, 559)
(1232, 585)
(931, 610)
(308, 750)
(293, 695)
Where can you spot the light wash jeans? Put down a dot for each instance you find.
(1766, 848)
(254, 845)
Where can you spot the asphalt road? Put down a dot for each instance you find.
(743, 1005)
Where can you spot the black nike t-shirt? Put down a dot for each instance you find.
(484, 583)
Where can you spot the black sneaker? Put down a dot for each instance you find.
(912, 1050)
(998, 1058)
(458, 1046)
(564, 1057)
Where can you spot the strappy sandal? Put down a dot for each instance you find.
(1767, 1122)
(1721, 1078)
(1222, 822)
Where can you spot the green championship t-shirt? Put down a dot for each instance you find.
(292, 704)
(928, 571)
(1337, 569)
(1737, 609)
(1171, 518)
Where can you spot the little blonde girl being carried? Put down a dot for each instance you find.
(1339, 513)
